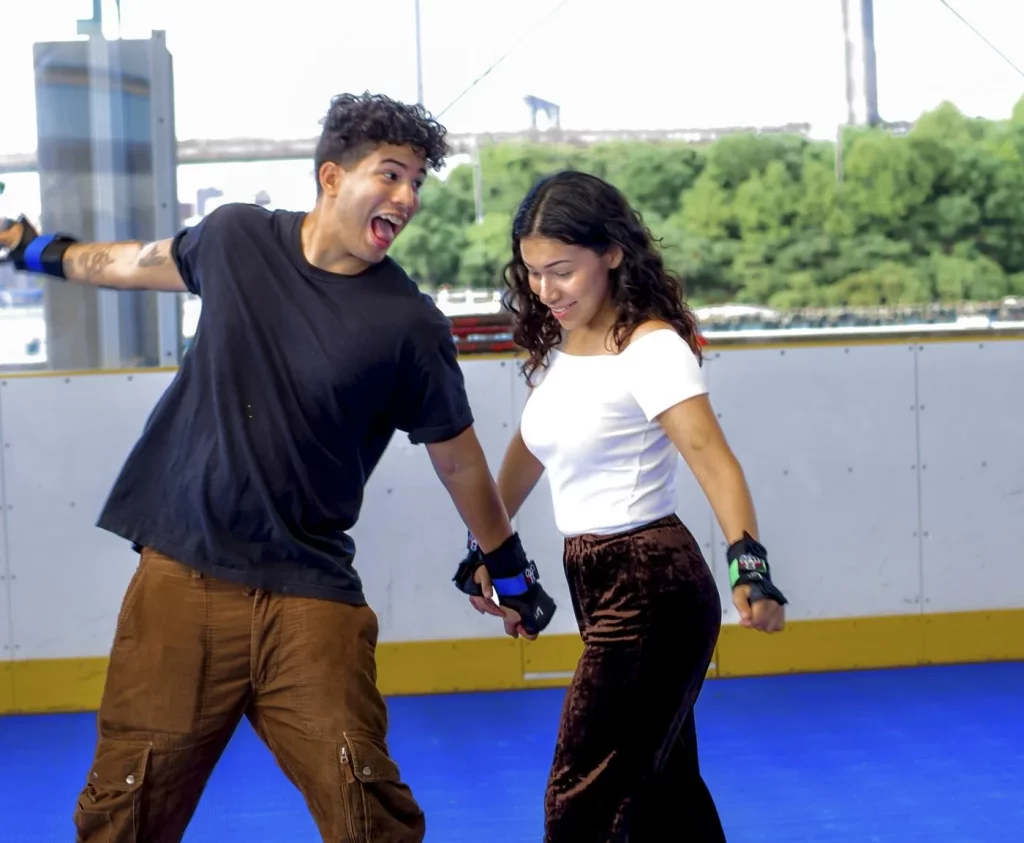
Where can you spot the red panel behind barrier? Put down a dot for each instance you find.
(491, 333)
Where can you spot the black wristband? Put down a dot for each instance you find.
(40, 253)
(45, 255)
(748, 565)
(506, 560)
(515, 580)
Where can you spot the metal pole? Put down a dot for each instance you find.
(851, 93)
(103, 67)
(839, 154)
(478, 182)
(869, 71)
(166, 219)
(851, 116)
(419, 56)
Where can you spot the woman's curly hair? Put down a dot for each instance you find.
(580, 209)
(355, 124)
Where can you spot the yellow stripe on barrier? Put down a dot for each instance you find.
(493, 664)
(7, 687)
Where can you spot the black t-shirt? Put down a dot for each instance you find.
(252, 465)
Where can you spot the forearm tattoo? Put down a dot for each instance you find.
(92, 262)
(152, 255)
(99, 263)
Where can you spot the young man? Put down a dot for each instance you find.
(312, 349)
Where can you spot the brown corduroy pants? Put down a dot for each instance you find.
(625, 767)
(191, 656)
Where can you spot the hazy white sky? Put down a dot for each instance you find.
(245, 68)
(249, 69)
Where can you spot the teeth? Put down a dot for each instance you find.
(391, 218)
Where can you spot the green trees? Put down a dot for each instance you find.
(936, 214)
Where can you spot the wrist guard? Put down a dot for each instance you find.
(34, 252)
(748, 565)
(515, 579)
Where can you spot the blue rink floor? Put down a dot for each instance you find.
(931, 754)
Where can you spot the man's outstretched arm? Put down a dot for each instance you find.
(129, 265)
(125, 266)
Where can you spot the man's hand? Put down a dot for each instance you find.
(485, 604)
(23, 247)
(11, 233)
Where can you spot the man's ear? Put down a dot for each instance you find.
(330, 176)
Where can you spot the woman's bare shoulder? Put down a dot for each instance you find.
(648, 327)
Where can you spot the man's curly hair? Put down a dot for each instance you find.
(355, 124)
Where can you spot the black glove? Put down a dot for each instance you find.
(515, 579)
(748, 565)
(37, 253)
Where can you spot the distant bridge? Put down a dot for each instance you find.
(232, 150)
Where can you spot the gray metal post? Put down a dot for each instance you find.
(478, 181)
(110, 175)
(166, 216)
(870, 70)
(104, 131)
(861, 71)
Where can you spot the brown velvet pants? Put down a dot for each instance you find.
(192, 655)
(625, 768)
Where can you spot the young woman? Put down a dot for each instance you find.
(617, 394)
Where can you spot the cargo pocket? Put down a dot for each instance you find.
(109, 807)
(378, 805)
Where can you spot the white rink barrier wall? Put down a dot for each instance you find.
(888, 479)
